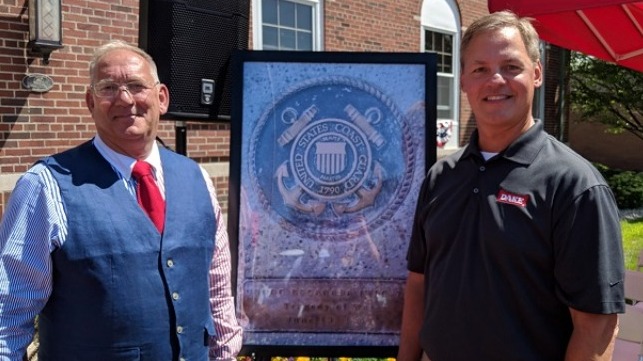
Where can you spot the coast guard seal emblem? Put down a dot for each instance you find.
(332, 157)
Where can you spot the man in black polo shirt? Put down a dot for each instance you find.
(516, 247)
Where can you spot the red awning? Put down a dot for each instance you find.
(608, 29)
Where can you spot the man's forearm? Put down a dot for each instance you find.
(412, 318)
(593, 337)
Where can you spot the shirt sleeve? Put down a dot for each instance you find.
(589, 266)
(32, 226)
(226, 344)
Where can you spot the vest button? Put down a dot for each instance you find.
(170, 263)
(179, 329)
(175, 296)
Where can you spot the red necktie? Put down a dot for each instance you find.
(148, 194)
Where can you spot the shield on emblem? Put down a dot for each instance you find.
(330, 157)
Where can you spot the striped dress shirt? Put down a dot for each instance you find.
(35, 224)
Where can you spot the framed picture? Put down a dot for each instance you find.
(328, 152)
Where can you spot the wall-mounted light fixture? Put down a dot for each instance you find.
(45, 27)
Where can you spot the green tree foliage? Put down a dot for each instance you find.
(608, 93)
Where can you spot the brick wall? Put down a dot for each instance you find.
(34, 125)
(594, 142)
(554, 89)
(386, 25)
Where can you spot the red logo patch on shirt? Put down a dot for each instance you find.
(512, 198)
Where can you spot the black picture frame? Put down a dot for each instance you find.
(327, 148)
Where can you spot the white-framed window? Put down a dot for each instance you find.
(441, 35)
(442, 45)
(287, 25)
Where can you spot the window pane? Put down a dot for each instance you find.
(439, 42)
(288, 25)
(444, 113)
(440, 63)
(270, 37)
(447, 64)
(287, 39)
(304, 17)
(269, 12)
(287, 14)
(304, 40)
(428, 41)
(448, 44)
(445, 91)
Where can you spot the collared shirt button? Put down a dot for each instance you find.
(179, 329)
(175, 296)
(170, 262)
(476, 190)
(482, 168)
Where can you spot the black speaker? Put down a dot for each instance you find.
(191, 42)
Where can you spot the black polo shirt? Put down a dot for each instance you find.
(507, 245)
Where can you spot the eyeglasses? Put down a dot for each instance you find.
(109, 89)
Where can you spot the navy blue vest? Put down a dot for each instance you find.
(122, 291)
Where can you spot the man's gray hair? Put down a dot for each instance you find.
(119, 45)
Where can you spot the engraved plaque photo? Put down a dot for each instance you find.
(328, 152)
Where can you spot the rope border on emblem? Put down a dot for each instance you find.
(400, 193)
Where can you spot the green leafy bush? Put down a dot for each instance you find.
(626, 185)
(628, 189)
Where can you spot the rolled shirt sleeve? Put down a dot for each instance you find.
(227, 342)
(32, 227)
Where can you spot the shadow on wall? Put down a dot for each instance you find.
(620, 151)
(13, 102)
(15, 62)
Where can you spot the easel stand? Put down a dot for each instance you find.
(181, 138)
